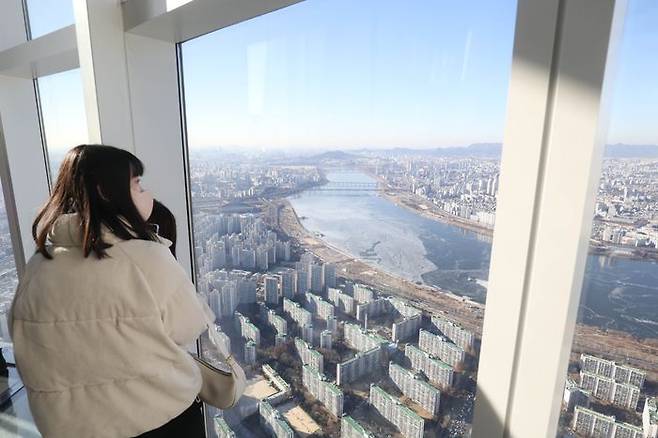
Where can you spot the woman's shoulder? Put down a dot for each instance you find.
(152, 258)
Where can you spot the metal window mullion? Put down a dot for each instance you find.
(536, 305)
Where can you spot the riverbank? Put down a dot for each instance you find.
(615, 345)
(426, 209)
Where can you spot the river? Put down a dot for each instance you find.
(619, 293)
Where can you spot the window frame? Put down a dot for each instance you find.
(125, 46)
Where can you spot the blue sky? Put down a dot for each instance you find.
(344, 74)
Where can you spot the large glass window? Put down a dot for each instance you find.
(63, 115)
(49, 15)
(10, 382)
(8, 275)
(344, 166)
(612, 377)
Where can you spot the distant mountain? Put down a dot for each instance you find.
(488, 150)
(483, 150)
(494, 150)
(333, 155)
(621, 150)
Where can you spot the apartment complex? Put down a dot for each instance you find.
(590, 423)
(318, 306)
(415, 388)
(273, 422)
(246, 328)
(222, 429)
(342, 301)
(604, 388)
(410, 424)
(360, 339)
(308, 355)
(362, 294)
(349, 428)
(330, 395)
(358, 366)
(441, 347)
(297, 313)
(436, 371)
(460, 336)
(610, 369)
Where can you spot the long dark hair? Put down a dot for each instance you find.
(166, 222)
(94, 182)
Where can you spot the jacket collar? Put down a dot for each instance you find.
(67, 231)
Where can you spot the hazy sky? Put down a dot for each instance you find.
(345, 73)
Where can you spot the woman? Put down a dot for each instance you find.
(103, 311)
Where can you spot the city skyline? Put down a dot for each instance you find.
(448, 90)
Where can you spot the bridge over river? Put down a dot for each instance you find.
(340, 186)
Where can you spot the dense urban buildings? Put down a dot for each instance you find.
(283, 388)
(246, 260)
(308, 355)
(318, 306)
(222, 429)
(349, 428)
(590, 423)
(610, 369)
(273, 422)
(297, 313)
(436, 371)
(247, 329)
(604, 388)
(361, 339)
(460, 336)
(326, 392)
(411, 385)
(574, 396)
(360, 365)
(225, 290)
(408, 422)
(441, 347)
(650, 418)
(343, 302)
(280, 324)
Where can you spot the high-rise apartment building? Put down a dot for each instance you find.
(288, 283)
(360, 365)
(363, 294)
(441, 347)
(605, 388)
(410, 424)
(250, 352)
(246, 329)
(436, 371)
(308, 355)
(610, 369)
(343, 302)
(271, 288)
(349, 428)
(360, 339)
(317, 278)
(411, 385)
(330, 395)
(460, 336)
(297, 313)
(273, 421)
(650, 418)
(318, 306)
(574, 396)
(589, 423)
(222, 429)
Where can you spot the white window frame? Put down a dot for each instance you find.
(129, 61)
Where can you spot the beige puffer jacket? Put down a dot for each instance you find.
(99, 343)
